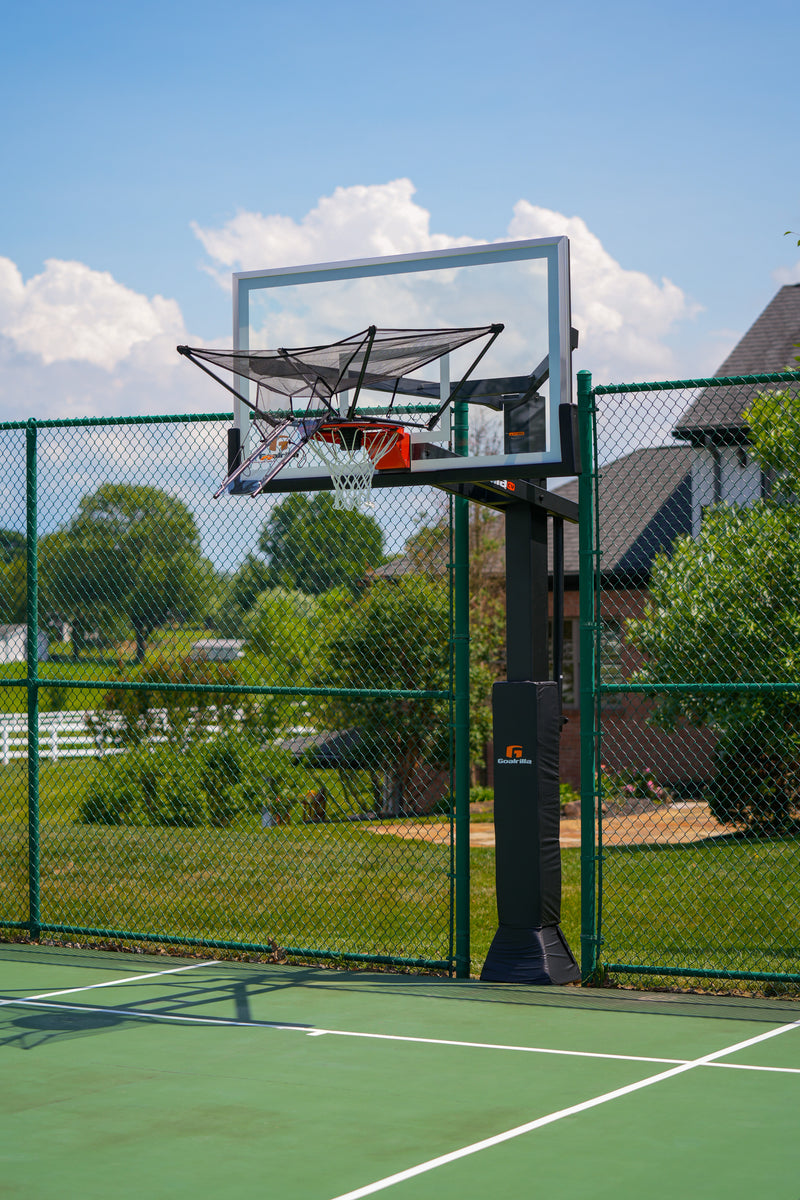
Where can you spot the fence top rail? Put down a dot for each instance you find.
(174, 419)
(79, 422)
(700, 687)
(232, 689)
(665, 385)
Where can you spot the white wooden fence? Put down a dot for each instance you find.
(61, 735)
(66, 735)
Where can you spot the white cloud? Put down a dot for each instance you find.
(784, 275)
(70, 312)
(625, 318)
(75, 342)
(622, 315)
(355, 222)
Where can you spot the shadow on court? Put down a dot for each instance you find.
(71, 1015)
(225, 993)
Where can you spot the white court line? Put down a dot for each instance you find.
(112, 982)
(143, 1015)
(311, 1031)
(421, 1168)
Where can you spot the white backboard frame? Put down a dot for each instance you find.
(554, 252)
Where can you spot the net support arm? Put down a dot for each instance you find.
(496, 330)
(370, 343)
(187, 353)
(251, 458)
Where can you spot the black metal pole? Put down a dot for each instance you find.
(526, 592)
(529, 946)
(558, 603)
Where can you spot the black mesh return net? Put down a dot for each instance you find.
(304, 380)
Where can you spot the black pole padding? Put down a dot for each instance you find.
(529, 946)
(570, 441)
(234, 448)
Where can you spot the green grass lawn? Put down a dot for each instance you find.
(333, 887)
(729, 903)
(117, 664)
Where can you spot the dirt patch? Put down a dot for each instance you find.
(676, 824)
(673, 825)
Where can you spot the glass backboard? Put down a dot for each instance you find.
(515, 393)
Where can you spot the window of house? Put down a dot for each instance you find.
(569, 668)
(612, 639)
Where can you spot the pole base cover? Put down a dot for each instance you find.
(537, 956)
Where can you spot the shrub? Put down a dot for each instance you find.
(567, 794)
(757, 779)
(210, 783)
(633, 783)
(114, 800)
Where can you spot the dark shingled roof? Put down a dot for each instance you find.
(645, 502)
(769, 345)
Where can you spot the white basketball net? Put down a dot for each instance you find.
(353, 467)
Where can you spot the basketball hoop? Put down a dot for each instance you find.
(353, 450)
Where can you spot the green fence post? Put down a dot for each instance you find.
(461, 729)
(587, 668)
(32, 656)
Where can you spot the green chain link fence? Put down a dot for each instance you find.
(215, 731)
(218, 717)
(691, 679)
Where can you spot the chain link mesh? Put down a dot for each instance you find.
(698, 642)
(245, 708)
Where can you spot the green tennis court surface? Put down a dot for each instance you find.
(137, 1076)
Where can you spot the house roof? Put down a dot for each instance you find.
(405, 564)
(769, 345)
(644, 502)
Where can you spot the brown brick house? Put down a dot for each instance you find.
(648, 497)
(644, 502)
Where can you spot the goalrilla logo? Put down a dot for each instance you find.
(514, 757)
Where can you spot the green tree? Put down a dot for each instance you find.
(394, 636)
(12, 545)
(724, 607)
(13, 592)
(284, 628)
(312, 546)
(251, 578)
(129, 559)
(428, 551)
(13, 585)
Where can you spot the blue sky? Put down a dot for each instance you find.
(150, 149)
